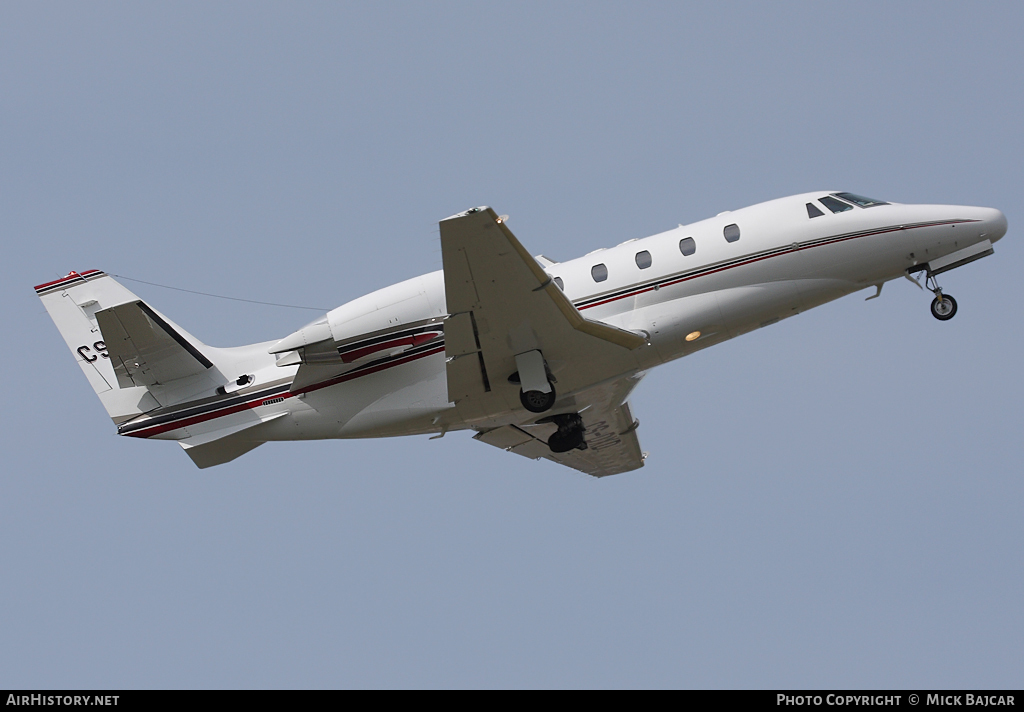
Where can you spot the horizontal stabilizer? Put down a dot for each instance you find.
(225, 445)
(144, 349)
(220, 451)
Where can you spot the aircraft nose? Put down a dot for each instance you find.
(995, 223)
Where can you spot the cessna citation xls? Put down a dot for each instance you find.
(537, 357)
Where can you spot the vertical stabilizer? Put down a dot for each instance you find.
(89, 309)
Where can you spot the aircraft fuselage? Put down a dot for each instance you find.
(782, 263)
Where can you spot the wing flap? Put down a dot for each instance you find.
(507, 437)
(612, 443)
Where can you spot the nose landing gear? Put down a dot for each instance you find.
(943, 306)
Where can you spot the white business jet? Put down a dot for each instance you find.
(537, 357)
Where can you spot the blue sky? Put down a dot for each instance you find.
(832, 501)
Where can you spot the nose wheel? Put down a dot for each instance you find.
(943, 306)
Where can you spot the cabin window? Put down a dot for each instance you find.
(559, 282)
(599, 272)
(861, 200)
(643, 259)
(687, 246)
(812, 211)
(836, 206)
(731, 232)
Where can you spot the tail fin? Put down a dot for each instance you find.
(125, 348)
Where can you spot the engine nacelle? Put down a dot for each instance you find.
(380, 324)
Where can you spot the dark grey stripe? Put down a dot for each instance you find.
(191, 411)
(187, 411)
(182, 342)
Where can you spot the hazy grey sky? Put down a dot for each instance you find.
(832, 501)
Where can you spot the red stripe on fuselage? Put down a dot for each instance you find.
(752, 260)
(256, 403)
(413, 340)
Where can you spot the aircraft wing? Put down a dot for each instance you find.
(612, 443)
(502, 303)
(144, 349)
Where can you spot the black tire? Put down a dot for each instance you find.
(537, 402)
(564, 441)
(945, 310)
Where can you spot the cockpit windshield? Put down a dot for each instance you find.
(860, 200)
(836, 206)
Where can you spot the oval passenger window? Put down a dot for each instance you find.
(560, 283)
(599, 273)
(687, 246)
(643, 259)
(731, 232)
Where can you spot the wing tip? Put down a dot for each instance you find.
(466, 213)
